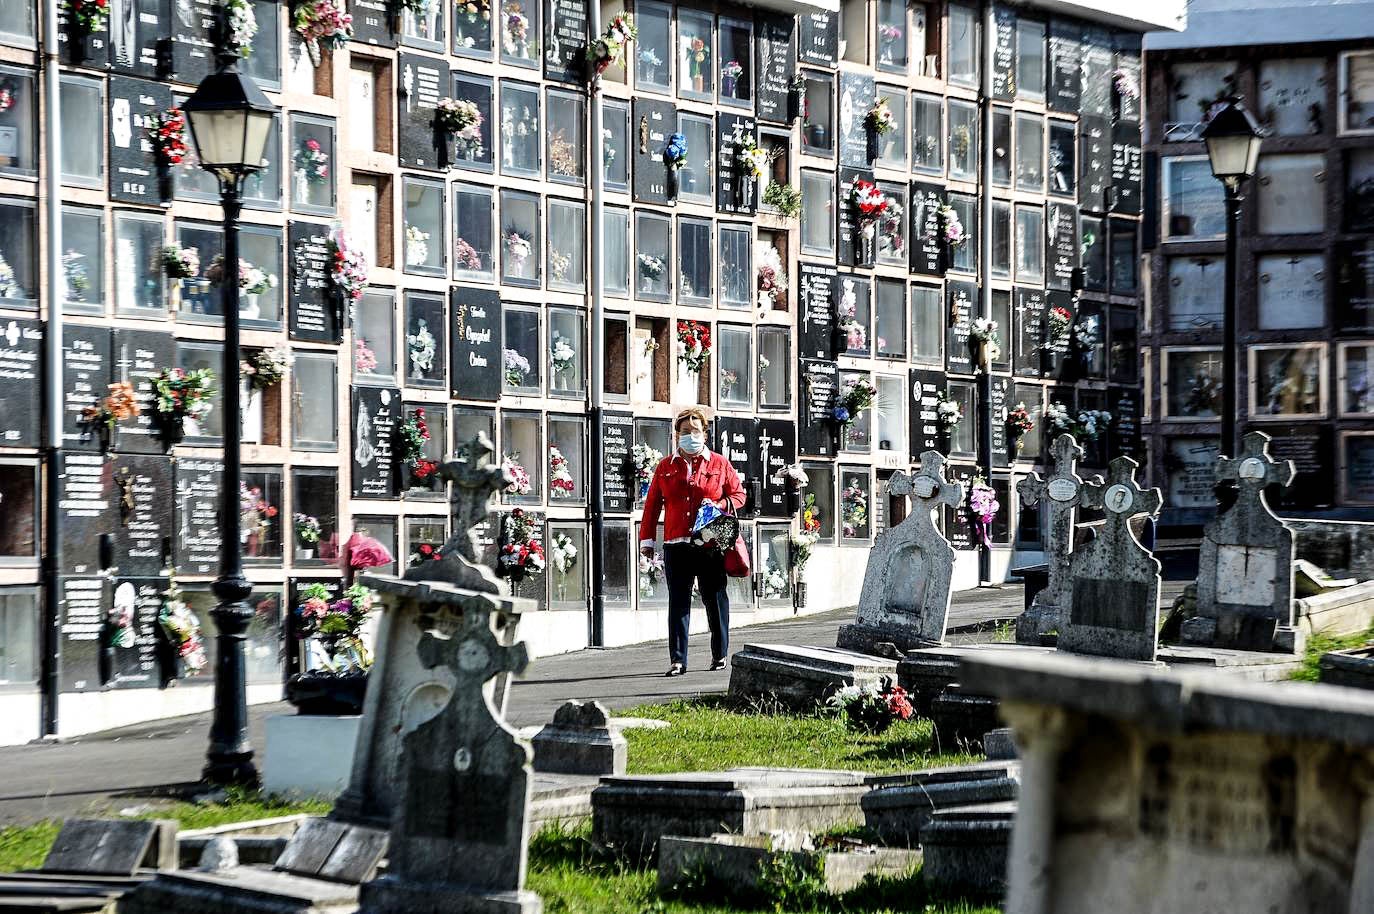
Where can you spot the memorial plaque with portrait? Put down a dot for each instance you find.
(650, 126)
(1094, 163)
(196, 541)
(927, 250)
(421, 82)
(139, 356)
(475, 367)
(193, 51)
(133, 657)
(819, 42)
(1003, 53)
(960, 298)
(134, 170)
(372, 22)
(314, 308)
(85, 384)
(144, 516)
(85, 605)
(88, 513)
(1066, 66)
(924, 389)
(21, 365)
(816, 311)
(136, 30)
(857, 94)
(1061, 245)
(776, 38)
(819, 387)
(776, 443)
(617, 474)
(373, 460)
(565, 52)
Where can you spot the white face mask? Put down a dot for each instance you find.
(692, 442)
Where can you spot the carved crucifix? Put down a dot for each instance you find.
(1062, 491)
(475, 479)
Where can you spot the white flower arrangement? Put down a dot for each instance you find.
(562, 353)
(774, 583)
(651, 267)
(948, 412)
(417, 246)
(562, 553)
(422, 346)
(796, 474)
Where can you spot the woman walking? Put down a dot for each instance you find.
(682, 483)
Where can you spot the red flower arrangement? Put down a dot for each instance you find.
(168, 134)
(870, 203)
(696, 344)
(521, 554)
(88, 15)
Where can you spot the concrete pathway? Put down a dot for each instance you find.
(124, 767)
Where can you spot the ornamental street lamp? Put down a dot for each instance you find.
(230, 119)
(1233, 142)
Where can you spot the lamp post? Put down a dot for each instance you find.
(1233, 142)
(230, 119)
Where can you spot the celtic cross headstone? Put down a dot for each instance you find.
(1061, 492)
(1112, 596)
(905, 597)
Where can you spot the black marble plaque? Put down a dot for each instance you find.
(775, 38)
(924, 390)
(1126, 78)
(135, 665)
(1061, 245)
(136, 28)
(816, 311)
(377, 412)
(1063, 159)
(372, 21)
(1095, 96)
(736, 440)
(78, 48)
(1000, 391)
(1309, 446)
(421, 82)
(1123, 433)
(1065, 66)
(565, 49)
(143, 487)
(1053, 358)
(88, 512)
(21, 364)
(820, 38)
(776, 451)
(961, 298)
(196, 540)
(133, 161)
(1003, 53)
(617, 474)
(1127, 169)
(650, 126)
(927, 253)
(857, 94)
(314, 312)
(475, 344)
(85, 383)
(735, 191)
(85, 606)
(138, 357)
(193, 52)
(1028, 316)
(958, 520)
(1354, 283)
(848, 244)
(819, 387)
(1094, 163)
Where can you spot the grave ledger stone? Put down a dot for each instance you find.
(1245, 570)
(1062, 491)
(905, 597)
(1112, 596)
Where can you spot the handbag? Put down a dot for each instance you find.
(737, 559)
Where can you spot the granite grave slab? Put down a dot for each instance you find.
(800, 677)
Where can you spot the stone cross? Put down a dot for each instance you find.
(1112, 598)
(460, 833)
(1245, 568)
(905, 597)
(1062, 491)
(475, 479)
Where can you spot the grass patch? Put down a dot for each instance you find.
(24, 847)
(713, 733)
(573, 877)
(1319, 644)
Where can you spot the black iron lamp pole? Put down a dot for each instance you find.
(1233, 142)
(230, 119)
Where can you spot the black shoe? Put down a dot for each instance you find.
(718, 664)
(676, 669)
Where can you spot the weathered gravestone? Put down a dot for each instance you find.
(1146, 791)
(1112, 596)
(404, 692)
(905, 597)
(1245, 570)
(1062, 491)
(581, 740)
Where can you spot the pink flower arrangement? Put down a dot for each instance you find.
(364, 359)
(560, 475)
(982, 501)
(321, 22)
(347, 268)
(363, 551)
(520, 478)
(467, 255)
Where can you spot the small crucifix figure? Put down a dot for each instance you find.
(1112, 597)
(1245, 565)
(905, 597)
(1062, 491)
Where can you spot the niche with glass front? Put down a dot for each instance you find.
(775, 378)
(1192, 381)
(892, 227)
(474, 154)
(927, 325)
(436, 450)
(520, 240)
(567, 266)
(18, 250)
(653, 49)
(520, 138)
(519, 30)
(314, 401)
(264, 517)
(522, 446)
(422, 234)
(521, 362)
(653, 257)
(855, 313)
(818, 113)
(696, 61)
(927, 134)
(615, 156)
(195, 356)
(736, 270)
(473, 224)
(566, 136)
(856, 493)
(138, 283)
(694, 178)
(695, 264)
(892, 144)
(890, 408)
(736, 68)
(856, 437)
(567, 460)
(1288, 381)
(963, 141)
(426, 349)
(424, 538)
(18, 121)
(734, 366)
(890, 319)
(19, 534)
(568, 562)
(818, 212)
(374, 337)
(567, 362)
(1030, 244)
(615, 251)
(1030, 153)
(313, 169)
(315, 494)
(1194, 201)
(83, 108)
(83, 261)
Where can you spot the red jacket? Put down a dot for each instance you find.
(678, 497)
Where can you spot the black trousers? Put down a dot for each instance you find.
(684, 563)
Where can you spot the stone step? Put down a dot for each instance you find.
(965, 849)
